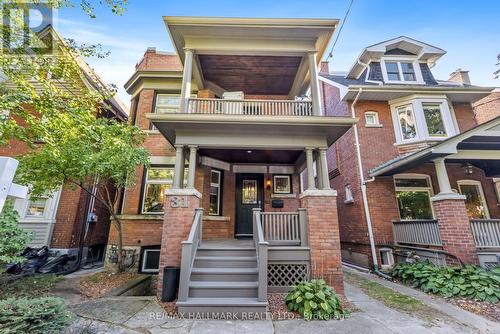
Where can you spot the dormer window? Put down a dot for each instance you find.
(401, 71)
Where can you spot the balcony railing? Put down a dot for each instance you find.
(249, 107)
(486, 232)
(285, 228)
(418, 232)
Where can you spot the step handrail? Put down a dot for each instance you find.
(189, 248)
(261, 248)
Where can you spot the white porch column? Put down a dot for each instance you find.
(186, 79)
(310, 169)
(319, 178)
(192, 166)
(179, 167)
(323, 167)
(442, 176)
(315, 94)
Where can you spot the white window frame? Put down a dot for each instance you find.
(390, 258)
(373, 113)
(481, 193)
(145, 188)
(218, 186)
(401, 59)
(169, 106)
(144, 254)
(49, 212)
(400, 131)
(497, 188)
(417, 102)
(427, 189)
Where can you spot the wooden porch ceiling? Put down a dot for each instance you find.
(254, 75)
(256, 156)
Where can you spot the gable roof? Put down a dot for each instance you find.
(400, 45)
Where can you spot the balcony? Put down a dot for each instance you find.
(249, 107)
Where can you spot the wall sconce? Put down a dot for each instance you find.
(268, 184)
(467, 168)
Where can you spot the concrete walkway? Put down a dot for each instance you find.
(143, 315)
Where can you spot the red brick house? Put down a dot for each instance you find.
(237, 194)
(419, 171)
(61, 220)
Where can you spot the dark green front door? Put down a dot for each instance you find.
(249, 195)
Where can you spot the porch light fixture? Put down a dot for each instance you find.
(268, 184)
(249, 151)
(467, 168)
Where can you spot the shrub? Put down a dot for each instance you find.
(467, 282)
(315, 300)
(33, 316)
(13, 239)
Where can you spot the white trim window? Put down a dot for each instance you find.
(167, 103)
(157, 180)
(42, 209)
(150, 262)
(413, 196)
(214, 208)
(371, 119)
(401, 70)
(422, 118)
(475, 201)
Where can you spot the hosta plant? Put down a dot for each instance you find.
(315, 300)
(467, 282)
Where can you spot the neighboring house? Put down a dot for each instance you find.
(59, 219)
(487, 108)
(238, 185)
(417, 173)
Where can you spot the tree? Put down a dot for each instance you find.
(496, 74)
(13, 239)
(86, 153)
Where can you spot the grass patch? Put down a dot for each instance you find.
(394, 299)
(30, 286)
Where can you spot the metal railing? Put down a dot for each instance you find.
(249, 107)
(285, 228)
(189, 248)
(261, 248)
(418, 232)
(486, 232)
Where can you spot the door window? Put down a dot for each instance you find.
(249, 192)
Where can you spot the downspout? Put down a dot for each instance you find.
(363, 192)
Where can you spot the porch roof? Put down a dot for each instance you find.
(259, 56)
(479, 146)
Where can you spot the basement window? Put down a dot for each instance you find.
(386, 258)
(150, 259)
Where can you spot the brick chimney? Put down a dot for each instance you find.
(323, 67)
(460, 76)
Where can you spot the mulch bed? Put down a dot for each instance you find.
(279, 310)
(99, 284)
(487, 310)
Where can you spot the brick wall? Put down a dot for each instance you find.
(487, 108)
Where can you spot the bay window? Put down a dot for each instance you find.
(422, 118)
(413, 196)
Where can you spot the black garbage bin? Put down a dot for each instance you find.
(170, 283)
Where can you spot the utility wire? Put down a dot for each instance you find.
(330, 55)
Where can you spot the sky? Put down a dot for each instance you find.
(468, 30)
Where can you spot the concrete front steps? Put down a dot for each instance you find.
(224, 280)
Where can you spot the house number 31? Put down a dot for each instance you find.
(179, 202)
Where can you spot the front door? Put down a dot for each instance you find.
(249, 195)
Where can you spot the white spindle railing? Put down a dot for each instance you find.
(418, 232)
(486, 232)
(189, 248)
(281, 228)
(249, 107)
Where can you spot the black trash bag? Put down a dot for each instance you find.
(35, 258)
(56, 264)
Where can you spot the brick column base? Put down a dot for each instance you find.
(454, 227)
(324, 237)
(180, 205)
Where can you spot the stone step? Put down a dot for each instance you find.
(225, 261)
(216, 289)
(224, 274)
(223, 308)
